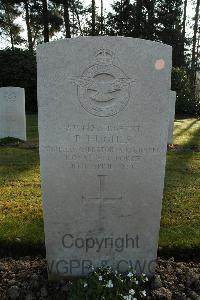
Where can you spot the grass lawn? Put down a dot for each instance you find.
(21, 223)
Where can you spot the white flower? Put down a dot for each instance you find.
(85, 284)
(109, 284)
(130, 274)
(132, 292)
(136, 282)
(127, 297)
(146, 279)
(100, 278)
(144, 293)
(91, 267)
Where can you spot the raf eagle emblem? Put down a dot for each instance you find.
(103, 89)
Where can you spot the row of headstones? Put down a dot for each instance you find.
(13, 118)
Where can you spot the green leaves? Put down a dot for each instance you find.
(186, 102)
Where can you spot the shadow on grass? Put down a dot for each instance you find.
(192, 140)
(17, 249)
(20, 238)
(14, 161)
(180, 132)
(180, 224)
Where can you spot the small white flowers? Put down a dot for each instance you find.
(128, 285)
(91, 267)
(129, 297)
(132, 292)
(145, 278)
(144, 293)
(109, 284)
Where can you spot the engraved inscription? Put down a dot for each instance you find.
(103, 88)
(11, 97)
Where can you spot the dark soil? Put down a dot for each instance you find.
(26, 278)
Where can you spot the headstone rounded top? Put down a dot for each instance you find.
(104, 38)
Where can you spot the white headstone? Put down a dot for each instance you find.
(103, 125)
(12, 113)
(172, 103)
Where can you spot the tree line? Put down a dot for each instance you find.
(157, 20)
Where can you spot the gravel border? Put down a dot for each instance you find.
(26, 279)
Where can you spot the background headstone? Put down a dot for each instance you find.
(103, 126)
(172, 105)
(12, 113)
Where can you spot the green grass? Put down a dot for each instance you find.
(32, 128)
(180, 224)
(187, 132)
(21, 222)
(20, 203)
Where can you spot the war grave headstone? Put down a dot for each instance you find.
(12, 113)
(103, 128)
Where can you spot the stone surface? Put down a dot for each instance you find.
(12, 113)
(172, 103)
(103, 126)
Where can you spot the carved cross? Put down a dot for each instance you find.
(101, 198)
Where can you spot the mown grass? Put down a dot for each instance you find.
(180, 223)
(32, 128)
(187, 132)
(21, 222)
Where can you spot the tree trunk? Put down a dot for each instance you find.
(73, 17)
(12, 40)
(198, 45)
(93, 18)
(101, 17)
(121, 17)
(29, 33)
(184, 31)
(138, 22)
(45, 21)
(194, 42)
(184, 18)
(78, 19)
(66, 18)
(7, 11)
(151, 19)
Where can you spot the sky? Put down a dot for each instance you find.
(107, 7)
